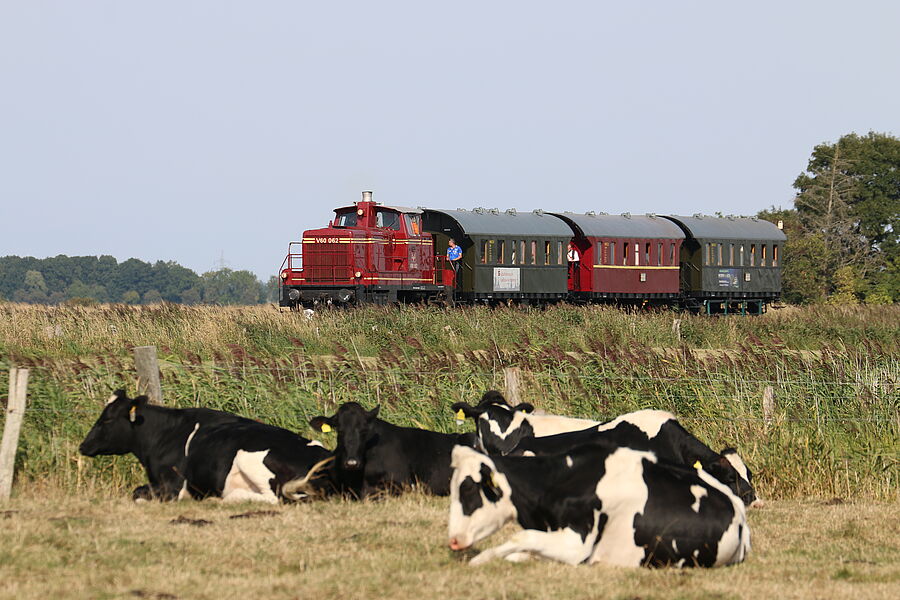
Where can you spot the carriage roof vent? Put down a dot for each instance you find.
(602, 213)
(698, 215)
(754, 218)
(460, 210)
(495, 211)
(730, 217)
(538, 212)
(627, 215)
(478, 210)
(511, 211)
(651, 215)
(591, 213)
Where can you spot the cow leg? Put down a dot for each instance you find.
(563, 545)
(249, 479)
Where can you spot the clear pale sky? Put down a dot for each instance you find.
(200, 130)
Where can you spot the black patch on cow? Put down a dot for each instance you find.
(503, 417)
(492, 492)
(470, 496)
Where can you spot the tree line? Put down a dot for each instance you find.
(89, 279)
(843, 234)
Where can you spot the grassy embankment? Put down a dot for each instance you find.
(835, 372)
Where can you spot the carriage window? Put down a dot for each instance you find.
(752, 255)
(775, 255)
(659, 254)
(533, 252)
(672, 254)
(612, 254)
(637, 254)
(559, 253)
(387, 219)
(512, 252)
(720, 255)
(708, 253)
(522, 252)
(347, 219)
(624, 253)
(548, 252)
(741, 258)
(501, 251)
(484, 252)
(730, 255)
(647, 253)
(762, 255)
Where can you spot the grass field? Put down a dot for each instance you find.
(834, 432)
(94, 546)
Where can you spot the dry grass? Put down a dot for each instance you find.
(56, 545)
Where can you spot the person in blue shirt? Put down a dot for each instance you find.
(454, 255)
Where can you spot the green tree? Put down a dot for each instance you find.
(231, 287)
(131, 297)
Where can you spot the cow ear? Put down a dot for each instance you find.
(468, 412)
(321, 423)
(492, 491)
(525, 408)
(492, 397)
(373, 414)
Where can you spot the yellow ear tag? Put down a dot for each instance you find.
(697, 465)
(460, 415)
(326, 428)
(132, 414)
(494, 480)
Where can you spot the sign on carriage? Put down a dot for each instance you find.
(506, 279)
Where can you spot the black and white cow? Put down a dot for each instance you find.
(599, 503)
(503, 429)
(197, 452)
(373, 455)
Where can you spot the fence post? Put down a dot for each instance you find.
(15, 411)
(511, 379)
(676, 328)
(148, 373)
(768, 405)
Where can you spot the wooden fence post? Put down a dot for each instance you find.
(768, 405)
(148, 373)
(15, 411)
(511, 379)
(676, 328)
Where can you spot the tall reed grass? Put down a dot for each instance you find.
(835, 372)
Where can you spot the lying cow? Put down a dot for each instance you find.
(598, 503)
(197, 452)
(373, 455)
(501, 430)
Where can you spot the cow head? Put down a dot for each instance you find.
(354, 428)
(480, 502)
(500, 427)
(731, 470)
(114, 431)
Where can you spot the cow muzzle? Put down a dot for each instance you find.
(351, 463)
(456, 545)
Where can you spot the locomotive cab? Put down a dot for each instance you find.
(368, 253)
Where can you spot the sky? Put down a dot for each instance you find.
(212, 133)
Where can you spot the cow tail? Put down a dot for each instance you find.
(297, 489)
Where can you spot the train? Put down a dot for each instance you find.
(372, 253)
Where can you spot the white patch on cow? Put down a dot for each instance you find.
(528, 453)
(648, 421)
(699, 492)
(624, 495)
(563, 545)
(249, 479)
(569, 461)
(494, 426)
(316, 443)
(183, 492)
(734, 544)
(738, 463)
(112, 399)
(187, 444)
(470, 529)
(545, 425)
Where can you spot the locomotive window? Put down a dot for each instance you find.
(501, 251)
(533, 252)
(387, 219)
(413, 224)
(347, 219)
(522, 252)
(752, 255)
(484, 252)
(775, 255)
(548, 252)
(762, 255)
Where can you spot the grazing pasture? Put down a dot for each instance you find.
(833, 432)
